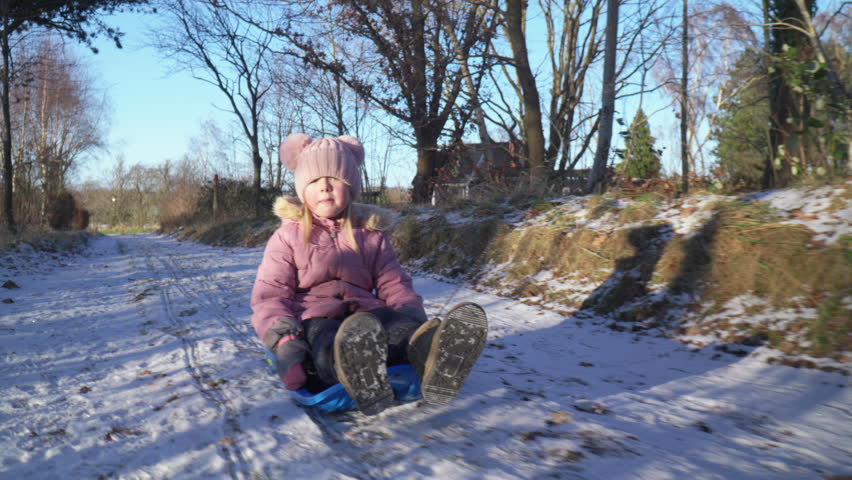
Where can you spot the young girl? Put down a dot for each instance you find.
(331, 300)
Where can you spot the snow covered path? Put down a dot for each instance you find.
(136, 359)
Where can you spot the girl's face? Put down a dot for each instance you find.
(327, 197)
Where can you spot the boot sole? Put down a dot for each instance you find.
(360, 352)
(455, 348)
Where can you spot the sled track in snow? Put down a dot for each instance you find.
(236, 462)
(237, 465)
(174, 269)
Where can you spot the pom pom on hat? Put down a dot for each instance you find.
(291, 147)
(309, 160)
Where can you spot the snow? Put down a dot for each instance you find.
(136, 360)
(688, 219)
(824, 210)
(736, 312)
(827, 211)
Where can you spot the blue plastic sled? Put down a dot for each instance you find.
(403, 379)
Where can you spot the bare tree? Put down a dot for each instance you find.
(335, 108)
(515, 16)
(277, 122)
(57, 118)
(65, 120)
(77, 19)
(684, 113)
(221, 49)
(597, 178)
(338, 108)
(305, 99)
(473, 79)
(573, 49)
(214, 150)
(716, 35)
(416, 76)
(574, 38)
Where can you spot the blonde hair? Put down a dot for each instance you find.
(307, 219)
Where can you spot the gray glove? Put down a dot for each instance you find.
(286, 339)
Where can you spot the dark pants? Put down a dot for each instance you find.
(320, 332)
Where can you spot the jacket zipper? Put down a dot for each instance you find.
(333, 235)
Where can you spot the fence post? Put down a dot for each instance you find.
(215, 195)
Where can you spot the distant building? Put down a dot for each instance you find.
(463, 166)
(574, 181)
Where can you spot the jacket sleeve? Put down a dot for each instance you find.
(274, 288)
(393, 285)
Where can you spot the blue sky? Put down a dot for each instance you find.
(154, 110)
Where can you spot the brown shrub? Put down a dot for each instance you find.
(66, 212)
(80, 221)
(180, 206)
(61, 211)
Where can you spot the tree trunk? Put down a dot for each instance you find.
(427, 149)
(42, 155)
(257, 161)
(8, 172)
(425, 133)
(532, 126)
(597, 178)
(768, 179)
(785, 115)
(780, 101)
(684, 104)
(337, 101)
(473, 91)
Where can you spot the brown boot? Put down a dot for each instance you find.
(360, 356)
(443, 353)
(420, 345)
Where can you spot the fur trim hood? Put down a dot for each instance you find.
(368, 217)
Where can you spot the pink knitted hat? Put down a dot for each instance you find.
(309, 160)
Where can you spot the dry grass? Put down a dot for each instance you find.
(439, 247)
(743, 248)
(637, 212)
(46, 240)
(251, 232)
(755, 253)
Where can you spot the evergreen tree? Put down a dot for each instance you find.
(741, 130)
(639, 157)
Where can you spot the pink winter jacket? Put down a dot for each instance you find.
(327, 278)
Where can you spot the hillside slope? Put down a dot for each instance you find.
(771, 268)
